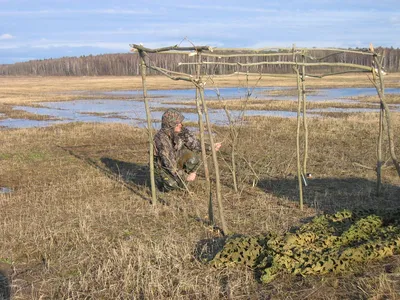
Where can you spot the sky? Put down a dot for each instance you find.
(44, 29)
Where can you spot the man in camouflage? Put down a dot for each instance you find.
(176, 159)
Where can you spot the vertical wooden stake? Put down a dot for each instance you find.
(305, 127)
(299, 99)
(381, 93)
(215, 161)
(203, 146)
(150, 129)
(299, 174)
(201, 123)
(379, 154)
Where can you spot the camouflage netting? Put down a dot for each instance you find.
(327, 244)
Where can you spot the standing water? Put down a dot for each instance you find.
(132, 111)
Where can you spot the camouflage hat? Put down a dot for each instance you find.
(170, 118)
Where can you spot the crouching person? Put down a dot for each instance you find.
(176, 152)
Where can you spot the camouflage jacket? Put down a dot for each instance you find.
(169, 146)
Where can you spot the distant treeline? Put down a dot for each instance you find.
(125, 64)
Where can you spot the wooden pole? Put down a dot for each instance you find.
(299, 100)
(305, 127)
(379, 153)
(381, 93)
(290, 63)
(201, 123)
(169, 48)
(215, 161)
(203, 145)
(299, 174)
(234, 136)
(290, 75)
(150, 129)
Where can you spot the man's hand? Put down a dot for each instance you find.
(217, 146)
(191, 176)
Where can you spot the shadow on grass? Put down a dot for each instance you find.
(5, 291)
(128, 172)
(132, 173)
(111, 170)
(206, 249)
(333, 194)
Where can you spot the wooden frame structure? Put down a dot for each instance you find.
(300, 61)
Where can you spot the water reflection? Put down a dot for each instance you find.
(132, 111)
(23, 123)
(5, 190)
(118, 111)
(231, 92)
(339, 95)
(264, 92)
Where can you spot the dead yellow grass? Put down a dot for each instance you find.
(389, 98)
(32, 89)
(234, 104)
(79, 224)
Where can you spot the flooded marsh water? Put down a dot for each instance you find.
(131, 111)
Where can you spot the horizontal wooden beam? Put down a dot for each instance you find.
(317, 64)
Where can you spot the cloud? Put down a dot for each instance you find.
(6, 36)
(104, 45)
(111, 26)
(395, 20)
(280, 44)
(228, 8)
(79, 11)
(257, 6)
(9, 47)
(157, 31)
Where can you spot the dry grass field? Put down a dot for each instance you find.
(79, 223)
